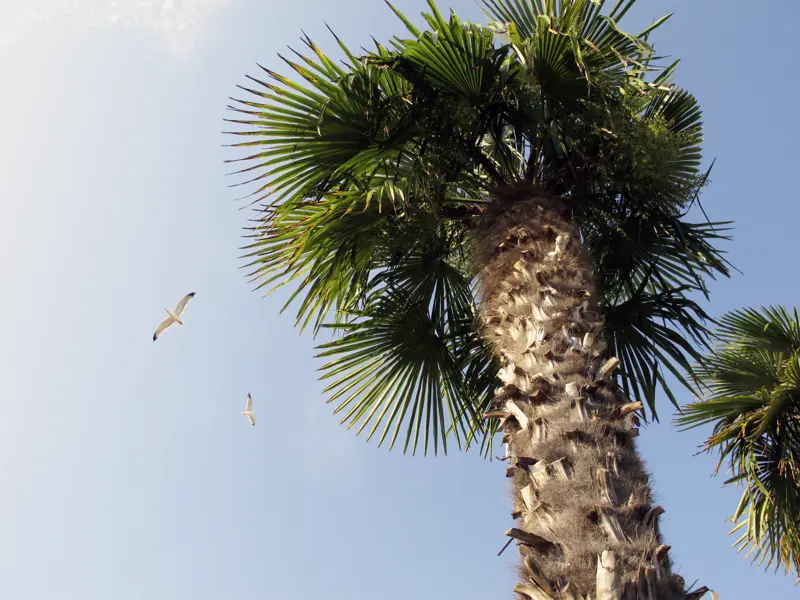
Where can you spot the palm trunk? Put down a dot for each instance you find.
(587, 526)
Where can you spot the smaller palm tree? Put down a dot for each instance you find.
(753, 381)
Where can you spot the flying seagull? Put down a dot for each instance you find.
(248, 410)
(173, 316)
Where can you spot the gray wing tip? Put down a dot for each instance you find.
(191, 295)
(155, 337)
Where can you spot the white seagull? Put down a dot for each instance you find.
(248, 410)
(173, 316)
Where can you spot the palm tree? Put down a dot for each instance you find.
(475, 205)
(752, 379)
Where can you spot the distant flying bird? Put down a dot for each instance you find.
(173, 316)
(248, 410)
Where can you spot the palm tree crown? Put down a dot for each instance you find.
(373, 174)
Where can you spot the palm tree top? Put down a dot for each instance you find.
(372, 174)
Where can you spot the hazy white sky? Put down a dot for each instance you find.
(126, 470)
(177, 24)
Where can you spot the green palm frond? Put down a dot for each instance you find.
(752, 380)
(300, 246)
(411, 363)
(654, 331)
(772, 328)
(560, 33)
(647, 273)
(679, 112)
(453, 56)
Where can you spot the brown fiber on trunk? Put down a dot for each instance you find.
(586, 524)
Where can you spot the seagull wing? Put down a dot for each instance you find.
(248, 406)
(252, 418)
(162, 326)
(182, 304)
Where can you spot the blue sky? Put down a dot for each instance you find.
(126, 470)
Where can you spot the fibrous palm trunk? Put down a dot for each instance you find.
(586, 525)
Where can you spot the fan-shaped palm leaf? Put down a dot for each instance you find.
(412, 358)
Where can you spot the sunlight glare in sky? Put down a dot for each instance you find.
(176, 22)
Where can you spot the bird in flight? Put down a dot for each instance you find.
(248, 410)
(173, 316)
